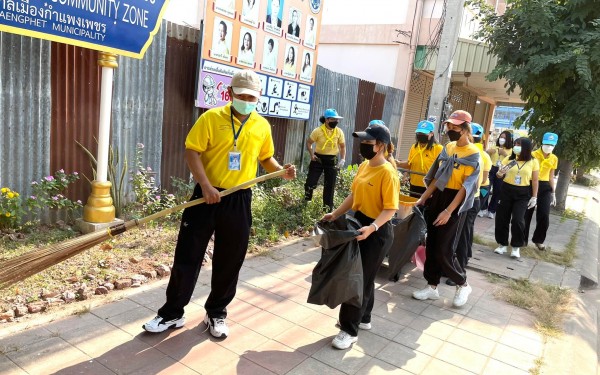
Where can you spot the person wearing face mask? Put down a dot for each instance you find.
(503, 148)
(421, 156)
(464, 249)
(546, 197)
(219, 157)
(451, 185)
(374, 198)
(329, 141)
(520, 172)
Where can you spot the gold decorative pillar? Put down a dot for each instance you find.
(99, 207)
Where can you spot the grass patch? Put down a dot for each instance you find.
(494, 279)
(564, 258)
(482, 241)
(548, 303)
(572, 214)
(537, 369)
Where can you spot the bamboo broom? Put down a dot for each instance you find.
(21, 267)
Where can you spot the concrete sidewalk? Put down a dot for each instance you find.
(274, 330)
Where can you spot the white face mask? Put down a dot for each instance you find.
(501, 141)
(517, 150)
(547, 149)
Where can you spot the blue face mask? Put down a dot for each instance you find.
(517, 150)
(243, 107)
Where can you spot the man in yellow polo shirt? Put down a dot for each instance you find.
(329, 141)
(222, 150)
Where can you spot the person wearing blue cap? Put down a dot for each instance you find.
(546, 197)
(464, 249)
(329, 142)
(421, 156)
(374, 198)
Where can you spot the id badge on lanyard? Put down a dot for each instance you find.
(518, 180)
(234, 160)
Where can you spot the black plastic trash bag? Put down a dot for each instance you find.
(409, 233)
(338, 276)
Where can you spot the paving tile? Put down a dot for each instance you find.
(311, 366)
(275, 357)
(292, 311)
(242, 366)
(495, 319)
(178, 346)
(436, 367)
(239, 310)
(260, 298)
(419, 341)
(495, 367)
(207, 357)
(148, 296)
(432, 327)
(8, 367)
(370, 343)
(132, 321)
(92, 340)
(266, 282)
(165, 366)
(378, 367)
(384, 328)
(408, 304)
(22, 339)
(115, 308)
(461, 357)
(472, 341)
(75, 322)
(404, 357)
(348, 361)
(303, 340)
(47, 356)
(86, 367)
(242, 338)
(289, 290)
(154, 339)
(441, 315)
(390, 311)
(130, 356)
(513, 357)
(321, 324)
(267, 324)
(480, 328)
(516, 341)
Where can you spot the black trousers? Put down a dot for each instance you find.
(496, 186)
(464, 249)
(442, 240)
(511, 213)
(417, 191)
(324, 164)
(542, 217)
(484, 199)
(372, 252)
(230, 221)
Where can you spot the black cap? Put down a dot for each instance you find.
(377, 132)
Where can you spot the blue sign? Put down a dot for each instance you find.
(123, 27)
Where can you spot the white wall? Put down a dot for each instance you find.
(185, 12)
(375, 63)
(361, 12)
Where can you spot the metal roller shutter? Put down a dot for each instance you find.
(416, 110)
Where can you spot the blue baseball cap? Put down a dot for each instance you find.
(476, 130)
(425, 127)
(375, 131)
(376, 122)
(550, 139)
(331, 113)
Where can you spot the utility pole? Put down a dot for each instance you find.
(443, 67)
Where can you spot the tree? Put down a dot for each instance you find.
(550, 50)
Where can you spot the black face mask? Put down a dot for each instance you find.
(476, 139)
(332, 124)
(366, 151)
(422, 138)
(453, 135)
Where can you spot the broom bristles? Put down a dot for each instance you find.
(21, 267)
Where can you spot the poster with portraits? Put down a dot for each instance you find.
(278, 39)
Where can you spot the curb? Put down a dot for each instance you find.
(589, 260)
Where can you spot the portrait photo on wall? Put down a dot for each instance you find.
(270, 53)
(293, 28)
(221, 41)
(306, 68)
(310, 33)
(289, 61)
(274, 16)
(225, 7)
(247, 47)
(250, 12)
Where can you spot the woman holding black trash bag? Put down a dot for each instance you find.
(374, 197)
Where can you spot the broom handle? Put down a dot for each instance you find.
(195, 202)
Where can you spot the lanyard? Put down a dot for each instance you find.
(328, 139)
(519, 168)
(419, 153)
(236, 135)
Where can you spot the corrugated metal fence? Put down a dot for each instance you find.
(50, 99)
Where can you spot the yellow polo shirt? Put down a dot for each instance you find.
(212, 137)
(524, 169)
(327, 140)
(375, 189)
(420, 160)
(461, 171)
(497, 158)
(546, 164)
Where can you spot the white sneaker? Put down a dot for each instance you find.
(427, 293)
(462, 295)
(365, 326)
(515, 253)
(343, 340)
(491, 215)
(217, 327)
(500, 250)
(158, 324)
(482, 213)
